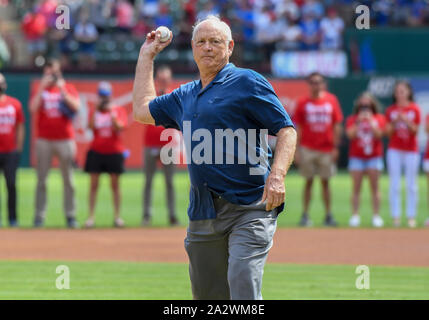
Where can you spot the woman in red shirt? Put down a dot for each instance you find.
(426, 161)
(365, 129)
(403, 119)
(106, 153)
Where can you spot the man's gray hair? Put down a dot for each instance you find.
(215, 19)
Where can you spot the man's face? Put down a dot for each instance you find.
(163, 79)
(210, 47)
(317, 84)
(54, 71)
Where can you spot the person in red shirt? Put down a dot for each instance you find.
(106, 153)
(54, 104)
(11, 142)
(318, 119)
(403, 119)
(426, 161)
(365, 129)
(152, 149)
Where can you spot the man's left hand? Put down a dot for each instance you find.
(274, 191)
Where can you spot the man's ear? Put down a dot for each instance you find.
(230, 47)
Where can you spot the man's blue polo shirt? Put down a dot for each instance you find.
(236, 99)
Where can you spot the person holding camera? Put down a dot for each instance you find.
(11, 142)
(54, 104)
(365, 129)
(106, 153)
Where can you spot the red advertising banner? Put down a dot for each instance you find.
(288, 92)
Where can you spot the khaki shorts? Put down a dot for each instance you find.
(312, 163)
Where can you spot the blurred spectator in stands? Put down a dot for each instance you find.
(291, 35)
(185, 25)
(34, 27)
(419, 13)
(310, 27)
(86, 34)
(106, 153)
(124, 16)
(313, 8)
(100, 13)
(288, 8)
(54, 104)
(245, 16)
(268, 30)
(142, 27)
(331, 31)
(383, 11)
(5, 55)
(209, 8)
(11, 143)
(164, 17)
(149, 8)
(47, 9)
(152, 149)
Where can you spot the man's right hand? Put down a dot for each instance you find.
(152, 46)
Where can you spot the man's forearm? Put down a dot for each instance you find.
(144, 89)
(285, 150)
(20, 132)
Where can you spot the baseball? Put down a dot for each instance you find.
(165, 33)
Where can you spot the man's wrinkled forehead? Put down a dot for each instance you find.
(209, 29)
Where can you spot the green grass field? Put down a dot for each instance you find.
(125, 280)
(132, 188)
(120, 280)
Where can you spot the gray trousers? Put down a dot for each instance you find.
(151, 156)
(65, 150)
(227, 254)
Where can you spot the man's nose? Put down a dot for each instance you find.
(207, 46)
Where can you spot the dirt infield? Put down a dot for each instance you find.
(395, 247)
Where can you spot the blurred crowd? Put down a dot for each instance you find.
(265, 25)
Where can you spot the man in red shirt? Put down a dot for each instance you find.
(54, 104)
(106, 153)
(153, 144)
(11, 142)
(318, 119)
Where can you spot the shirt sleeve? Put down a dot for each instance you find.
(72, 91)
(349, 122)
(338, 114)
(167, 110)
(381, 121)
(19, 113)
(266, 109)
(417, 119)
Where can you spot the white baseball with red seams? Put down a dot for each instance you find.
(165, 33)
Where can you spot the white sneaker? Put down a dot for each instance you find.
(412, 223)
(377, 221)
(354, 221)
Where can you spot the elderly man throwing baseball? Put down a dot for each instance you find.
(234, 200)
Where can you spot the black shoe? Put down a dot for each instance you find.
(146, 222)
(72, 223)
(13, 224)
(305, 221)
(330, 221)
(38, 223)
(174, 221)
